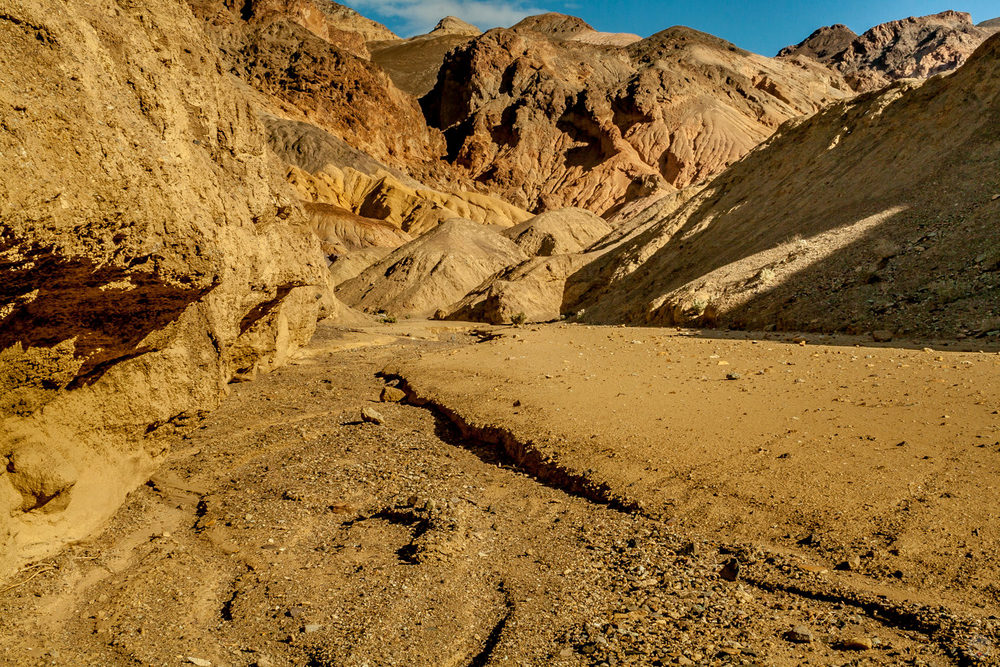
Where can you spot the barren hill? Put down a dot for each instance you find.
(916, 47)
(876, 214)
(433, 271)
(414, 63)
(548, 121)
(823, 44)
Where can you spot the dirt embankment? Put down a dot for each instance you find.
(149, 251)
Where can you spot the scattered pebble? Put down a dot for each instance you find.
(799, 634)
(372, 416)
(392, 395)
(857, 644)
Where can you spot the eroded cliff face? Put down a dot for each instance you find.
(548, 121)
(150, 250)
(307, 66)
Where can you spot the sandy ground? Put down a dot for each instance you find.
(640, 509)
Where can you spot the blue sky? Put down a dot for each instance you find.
(761, 26)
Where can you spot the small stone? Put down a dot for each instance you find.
(392, 395)
(297, 611)
(731, 570)
(857, 644)
(681, 660)
(372, 416)
(733, 376)
(853, 563)
(264, 661)
(312, 627)
(800, 634)
(882, 336)
(689, 549)
(200, 662)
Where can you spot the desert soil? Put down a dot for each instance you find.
(565, 496)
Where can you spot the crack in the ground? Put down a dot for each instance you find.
(522, 456)
(482, 658)
(941, 625)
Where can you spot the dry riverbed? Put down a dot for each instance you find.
(566, 496)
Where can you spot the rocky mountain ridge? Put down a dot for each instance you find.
(915, 47)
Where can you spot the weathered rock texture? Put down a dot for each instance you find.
(916, 47)
(304, 73)
(327, 20)
(570, 28)
(876, 214)
(547, 121)
(823, 45)
(149, 251)
(432, 272)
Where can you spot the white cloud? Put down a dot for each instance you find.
(421, 16)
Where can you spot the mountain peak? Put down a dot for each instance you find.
(451, 25)
(556, 26)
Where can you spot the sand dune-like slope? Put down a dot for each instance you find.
(879, 213)
(433, 271)
(558, 232)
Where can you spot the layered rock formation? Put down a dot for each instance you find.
(432, 272)
(549, 121)
(876, 214)
(916, 47)
(149, 251)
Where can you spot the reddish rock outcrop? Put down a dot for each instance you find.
(302, 75)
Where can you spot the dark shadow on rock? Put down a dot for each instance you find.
(72, 300)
